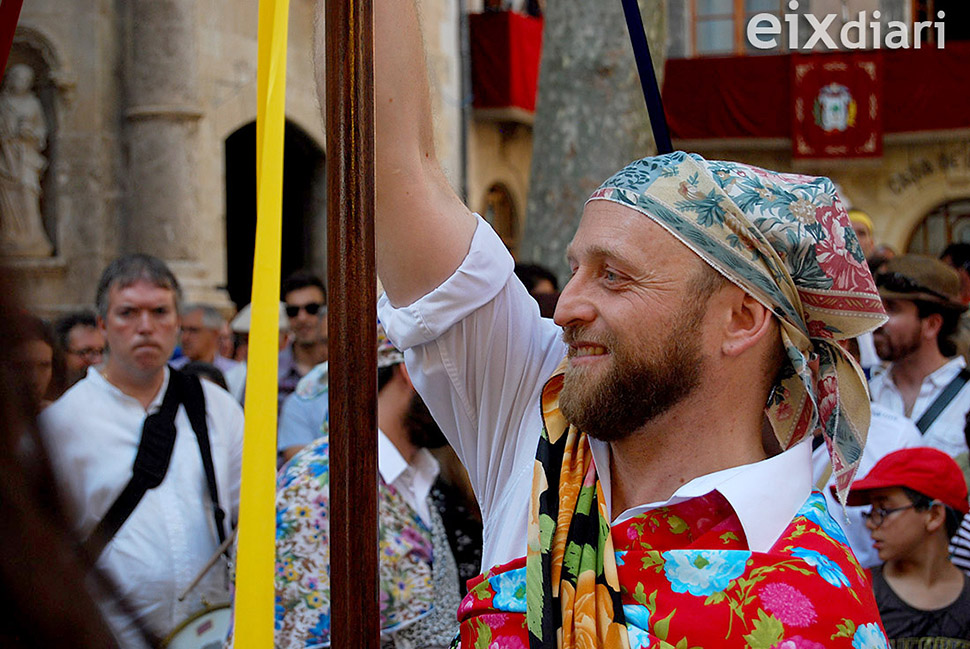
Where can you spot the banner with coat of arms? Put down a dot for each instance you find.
(836, 105)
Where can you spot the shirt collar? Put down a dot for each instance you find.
(946, 372)
(391, 464)
(763, 518)
(95, 374)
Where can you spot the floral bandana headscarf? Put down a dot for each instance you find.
(787, 241)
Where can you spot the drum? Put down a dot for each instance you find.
(207, 629)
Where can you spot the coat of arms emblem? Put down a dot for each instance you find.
(834, 109)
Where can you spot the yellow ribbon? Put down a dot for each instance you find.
(255, 557)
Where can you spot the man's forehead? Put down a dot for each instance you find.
(304, 295)
(899, 304)
(608, 229)
(83, 329)
(141, 291)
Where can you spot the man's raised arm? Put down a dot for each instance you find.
(423, 229)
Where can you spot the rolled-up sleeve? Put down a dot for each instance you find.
(479, 353)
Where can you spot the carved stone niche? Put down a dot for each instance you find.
(30, 98)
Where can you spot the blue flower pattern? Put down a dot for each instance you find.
(826, 568)
(703, 572)
(637, 625)
(509, 591)
(869, 636)
(816, 510)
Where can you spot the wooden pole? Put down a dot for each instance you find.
(352, 278)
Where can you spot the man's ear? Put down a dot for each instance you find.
(400, 367)
(931, 325)
(749, 321)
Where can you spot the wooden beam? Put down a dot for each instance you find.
(352, 280)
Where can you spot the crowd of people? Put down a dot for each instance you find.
(740, 423)
(140, 408)
(104, 382)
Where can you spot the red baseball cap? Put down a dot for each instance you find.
(929, 471)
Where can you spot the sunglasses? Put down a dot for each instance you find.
(899, 283)
(313, 308)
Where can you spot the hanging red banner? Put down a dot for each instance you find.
(837, 105)
(9, 15)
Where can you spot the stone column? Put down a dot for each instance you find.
(162, 113)
(591, 118)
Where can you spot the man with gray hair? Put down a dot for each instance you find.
(201, 324)
(96, 436)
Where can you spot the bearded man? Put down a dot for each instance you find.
(922, 298)
(421, 530)
(641, 504)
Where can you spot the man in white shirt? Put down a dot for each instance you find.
(92, 434)
(921, 296)
(685, 315)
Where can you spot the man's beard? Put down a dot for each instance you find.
(893, 350)
(421, 427)
(637, 387)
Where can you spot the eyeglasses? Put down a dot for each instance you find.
(313, 308)
(899, 283)
(87, 352)
(877, 515)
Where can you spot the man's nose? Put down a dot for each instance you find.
(574, 305)
(145, 321)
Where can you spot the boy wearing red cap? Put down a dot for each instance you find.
(918, 498)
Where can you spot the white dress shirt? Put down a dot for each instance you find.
(479, 355)
(946, 431)
(412, 481)
(92, 434)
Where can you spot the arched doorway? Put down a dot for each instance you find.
(304, 207)
(948, 223)
(501, 214)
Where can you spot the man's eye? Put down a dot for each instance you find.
(610, 276)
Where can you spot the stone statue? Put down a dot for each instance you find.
(23, 136)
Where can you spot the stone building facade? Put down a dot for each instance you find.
(150, 109)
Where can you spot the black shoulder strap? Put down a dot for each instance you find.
(151, 464)
(194, 401)
(943, 400)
